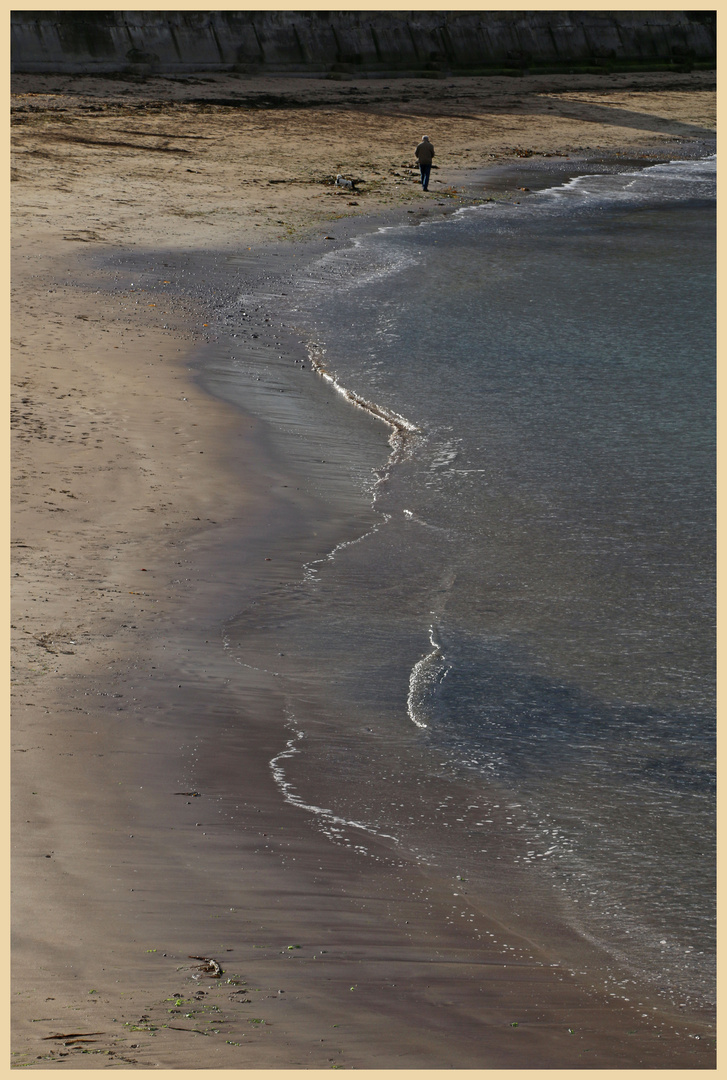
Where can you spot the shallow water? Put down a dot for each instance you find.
(528, 609)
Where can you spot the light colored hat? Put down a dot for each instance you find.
(425, 138)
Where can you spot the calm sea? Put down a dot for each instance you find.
(529, 611)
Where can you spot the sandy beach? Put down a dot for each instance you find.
(163, 890)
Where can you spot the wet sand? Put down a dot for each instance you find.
(147, 826)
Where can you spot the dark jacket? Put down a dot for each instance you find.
(425, 153)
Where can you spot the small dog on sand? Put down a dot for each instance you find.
(341, 181)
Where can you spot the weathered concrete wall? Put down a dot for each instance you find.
(320, 41)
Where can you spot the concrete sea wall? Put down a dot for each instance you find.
(300, 42)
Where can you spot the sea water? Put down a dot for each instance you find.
(532, 602)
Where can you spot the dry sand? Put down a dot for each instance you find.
(146, 825)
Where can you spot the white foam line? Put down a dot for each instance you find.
(637, 174)
(401, 430)
(309, 569)
(290, 797)
(399, 423)
(578, 181)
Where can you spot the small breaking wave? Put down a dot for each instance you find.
(426, 674)
(342, 270)
(667, 181)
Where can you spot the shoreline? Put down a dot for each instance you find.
(310, 920)
(568, 944)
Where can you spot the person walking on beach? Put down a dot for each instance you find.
(425, 153)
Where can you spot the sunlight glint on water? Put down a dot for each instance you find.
(552, 532)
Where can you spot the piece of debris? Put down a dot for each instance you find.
(74, 1035)
(209, 967)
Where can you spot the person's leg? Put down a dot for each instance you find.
(425, 170)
